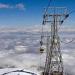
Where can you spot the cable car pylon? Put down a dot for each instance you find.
(53, 16)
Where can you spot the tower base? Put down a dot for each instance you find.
(53, 73)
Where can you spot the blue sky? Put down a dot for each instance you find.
(29, 12)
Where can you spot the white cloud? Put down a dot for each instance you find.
(19, 6)
(4, 6)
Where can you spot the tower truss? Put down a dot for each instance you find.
(54, 16)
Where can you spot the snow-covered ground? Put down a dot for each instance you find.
(20, 50)
(18, 71)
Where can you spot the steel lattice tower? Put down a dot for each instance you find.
(54, 63)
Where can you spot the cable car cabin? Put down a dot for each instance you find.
(41, 50)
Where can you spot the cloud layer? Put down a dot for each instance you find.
(28, 54)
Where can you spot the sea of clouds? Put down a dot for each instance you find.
(20, 49)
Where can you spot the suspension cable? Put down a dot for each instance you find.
(68, 42)
(48, 6)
